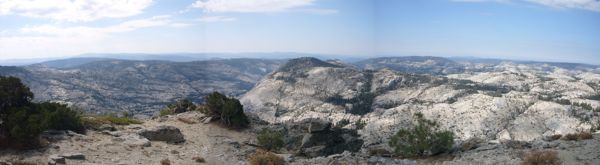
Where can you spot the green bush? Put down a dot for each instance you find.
(24, 125)
(422, 140)
(214, 103)
(23, 121)
(233, 114)
(94, 122)
(342, 123)
(13, 93)
(360, 124)
(228, 110)
(269, 139)
(60, 117)
(165, 112)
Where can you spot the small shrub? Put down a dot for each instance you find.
(360, 124)
(422, 140)
(233, 114)
(555, 137)
(269, 139)
(228, 110)
(571, 136)
(198, 159)
(342, 123)
(548, 157)
(165, 112)
(579, 136)
(165, 162)
(60, 117)
(266, 158)
(585, 135)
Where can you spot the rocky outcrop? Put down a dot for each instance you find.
(133, 140)
(503, 101)
(316, 137)
(167, 134)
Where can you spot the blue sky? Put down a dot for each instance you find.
(530, 30)
(546, 30)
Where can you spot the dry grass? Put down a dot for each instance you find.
(95, 122)
(571, 136)
(585, 135)
(555, 137)
(266, 158)
(579, 136)
(547, 157)
(186, 121)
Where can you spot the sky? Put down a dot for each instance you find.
(543, 30)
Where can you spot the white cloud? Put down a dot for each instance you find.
(250, 6)
(73, 10)
(40, 40)
(321, 11)
(85, 31)
(592, 5)
(216, 19)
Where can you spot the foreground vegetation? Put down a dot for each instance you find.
(424, 139)
(546, 157)
(270, 139)
(95, 122)
(22, 121)
(266, 158)
(227, 110)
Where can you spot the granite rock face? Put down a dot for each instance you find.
(500, 101)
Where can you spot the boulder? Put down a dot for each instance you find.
(167, 134)
(133, 140)
(314, 151)
(315, 138)
(106, 127)
(206, 120)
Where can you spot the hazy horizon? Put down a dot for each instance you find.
(536, 30)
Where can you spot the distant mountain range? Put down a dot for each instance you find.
(141, 87)
(173, 57)
(105, 84)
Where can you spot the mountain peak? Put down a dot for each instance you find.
(304, 63)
